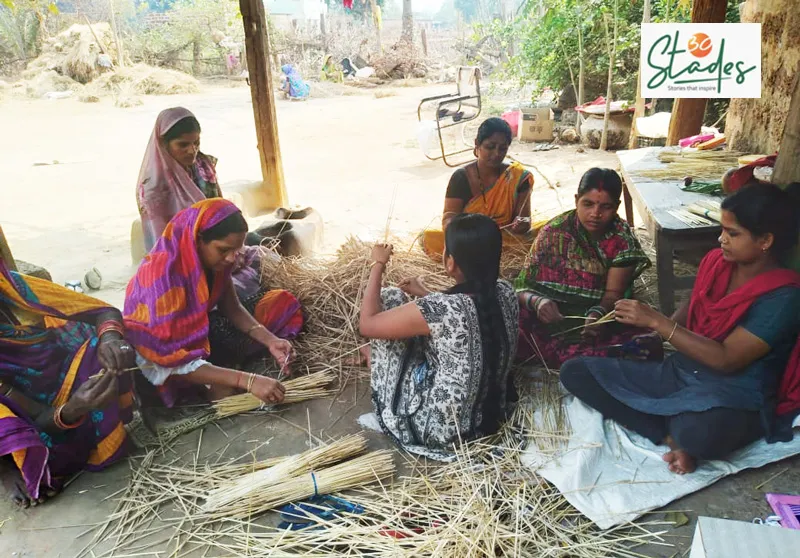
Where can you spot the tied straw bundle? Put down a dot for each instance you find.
(229, 494)
(369, 468)
(698, 164)
(299, 389)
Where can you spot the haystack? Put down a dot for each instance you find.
(74, 53)
(402, 61)
(147, 80)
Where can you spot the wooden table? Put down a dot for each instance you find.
(653, 199)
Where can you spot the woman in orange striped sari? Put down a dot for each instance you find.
(490, 187)
(57, 416)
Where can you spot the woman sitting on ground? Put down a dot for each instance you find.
(488, 186)
(440, 364)
(58, 415)
(582, 262)
(175, 174)
(294, 87)
(738, 360)
(185, 321)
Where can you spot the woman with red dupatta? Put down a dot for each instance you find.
(181, 287)
(735, 377)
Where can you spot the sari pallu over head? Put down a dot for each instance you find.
(569, 267)
(168, 301)
(165, 187)
(715, 314)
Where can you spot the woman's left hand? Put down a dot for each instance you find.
(115, 353)
(381, 253)
(283, 352)
(635, 313)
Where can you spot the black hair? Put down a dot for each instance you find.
(601, 179)
(232, 224)
(475, 242)
(183, 126)
(492, 126)
(765, 208)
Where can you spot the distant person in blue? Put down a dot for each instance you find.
(294, 87)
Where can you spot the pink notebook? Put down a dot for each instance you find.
(787, 507)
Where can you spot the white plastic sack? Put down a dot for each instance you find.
(428, 137)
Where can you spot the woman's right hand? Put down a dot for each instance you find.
(548, 312)
(268, 390)
(93, 394)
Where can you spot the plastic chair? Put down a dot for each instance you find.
(456, 109)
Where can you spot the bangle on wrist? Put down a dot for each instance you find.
(597, 309)
(672, 333)
(376, 262)
(59, 421)
(253, 328)
(250, 381)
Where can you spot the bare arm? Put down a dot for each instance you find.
(735, 352)
(618, 281)
(522, 208)
(398, 323)
(681, 315)
(452, 207)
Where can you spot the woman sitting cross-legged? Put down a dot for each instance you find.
(185, 321)
(58, 414)
(736, 375)
(440, 364)
(582, 262)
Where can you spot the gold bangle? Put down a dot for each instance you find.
(671, 335)
(373, 264)
(250, 381)
(253, 328)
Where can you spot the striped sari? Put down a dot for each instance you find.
(46, 355)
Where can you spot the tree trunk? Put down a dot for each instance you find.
(639, 107)
(424, 37)
(196, 56)
(612, 55)
(408, 22)
(257, 47)
(787, 165)
(687, 114)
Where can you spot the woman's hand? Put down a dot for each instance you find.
(95, 393)
(114, 353)
(548, 312)
(590, 330)
(521, 225)
(382, 253)
(638, 314)
(282, 351)
(414, 287)
(268, 390)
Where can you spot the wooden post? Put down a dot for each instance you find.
(787, 165)
(424, 35)
(639, 107)
(323, 31)
(257, 47)
(115, 31)
(687, 114)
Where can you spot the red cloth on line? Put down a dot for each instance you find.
(714, 314)
(348, 4)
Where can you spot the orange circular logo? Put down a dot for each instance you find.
(700, 45)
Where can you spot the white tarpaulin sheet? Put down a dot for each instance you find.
(612, 475)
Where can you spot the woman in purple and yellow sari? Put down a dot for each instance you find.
(582, 262)
(490, 187)
(185, 321)
(57, 415)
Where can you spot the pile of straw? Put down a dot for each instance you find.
(697, 164)
(330, 290)
(302, 388)
(73, 53)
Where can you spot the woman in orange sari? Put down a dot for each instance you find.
(490, 187)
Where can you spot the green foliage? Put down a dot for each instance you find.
(186, 41)
(19, 34)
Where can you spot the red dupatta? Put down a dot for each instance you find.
(715, 314)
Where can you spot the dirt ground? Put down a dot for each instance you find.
(343, 155)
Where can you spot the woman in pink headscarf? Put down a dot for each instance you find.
(175, 174)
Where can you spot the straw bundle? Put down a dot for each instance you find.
(697, 164)
(709, 209)
(230, 493)
(298, 389)
(369, 468)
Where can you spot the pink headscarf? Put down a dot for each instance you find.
(164, 187)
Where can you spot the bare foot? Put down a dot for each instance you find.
(364, 358)
(680, 462)
(15, 487)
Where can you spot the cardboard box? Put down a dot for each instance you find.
(536, 124)
(723, 538)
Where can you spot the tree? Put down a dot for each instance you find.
(408, 22)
